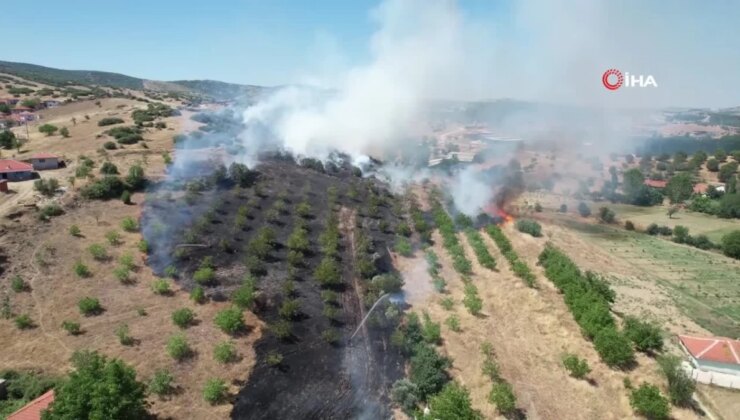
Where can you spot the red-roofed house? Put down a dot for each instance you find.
(700, 188)
(32, 410)
(655, 183)
(12, 170)
(41, 161)
(717, 354)
(20, 110)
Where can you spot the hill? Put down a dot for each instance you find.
(59, 77)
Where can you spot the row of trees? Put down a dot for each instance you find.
(518, 266)
(446, 226)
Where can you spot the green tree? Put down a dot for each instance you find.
(98, 388)
(720, 155)
(648, 402)
(726, 171)
(614, 348)
(679, 188)
(48, 129)
(731, 244)
(712, 165)
(453, 403)
(632, 181)
(646, 336)
(428, 370)
(583, 209)
(406, 394)
(680, 386)
(64, 131)
(7, 139)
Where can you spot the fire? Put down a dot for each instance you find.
(507, 218)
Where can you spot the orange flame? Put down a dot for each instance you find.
(504, 215)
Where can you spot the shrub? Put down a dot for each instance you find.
(108, 168)
(406, 394)
(472, 301)
(178, 347)
(204, 275)
(502, 396)
(481, 250)
(290, 309)
(48, 129)
(113, 237)
(49, 211)
(646, 336)
(529, 226)
(81, 270)
(18, 285)
(74, 230)
(215, 391)
(680, 386)
(122, 273)
(331, 335)
(431, 331)
(89, 306)
(563, 208)
(614, 348)
(98, 252)
(183, 317)
(72, 328)
(281, 329)
(198, 295)
(731, 244)
(230, 320)
(648, 402)
(23, 322)
(327, 273)
(46, 187)
(329, 296)
(224, 352)
(126, 197)
(447, 303)
(428, 370)
(606, 215)
(629, 225)
(274, 358)
(103, 188)
(122, 332)
(243, 297)
(453, 323)
(161, 287)
(109, 145)
(578, 368)
(583, 209)
(129, 224)
(453, 402)
(109, 121)
(162, 383)
(403, 246)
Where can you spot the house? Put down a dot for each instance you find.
(10, 101)
(26, 117)
(713, 354)
(32, 410)
(41, 161)
(655, 183)
(700, 188)
(52, 103)
(12, 170)
(21, 110)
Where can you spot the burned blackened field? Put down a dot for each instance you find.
(305, 247)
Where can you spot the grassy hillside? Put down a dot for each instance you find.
(58, 77)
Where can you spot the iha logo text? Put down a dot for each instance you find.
(613, 79)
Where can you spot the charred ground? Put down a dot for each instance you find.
(306, 366)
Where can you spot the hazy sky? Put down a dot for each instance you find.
(531, 49)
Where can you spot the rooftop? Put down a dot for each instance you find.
(32, 410)
(713, 349)
(655, 183)
(44, 156)
(10, 165)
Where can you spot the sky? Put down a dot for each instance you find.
(528, 49)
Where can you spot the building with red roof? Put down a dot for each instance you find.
(32, 410)
(717, 354)
(13, 170)
(655, 183)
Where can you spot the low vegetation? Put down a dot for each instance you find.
(518, 266)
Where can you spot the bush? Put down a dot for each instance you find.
(529, 226)
(428, 370)
(403, 246)
(629, 225)
(215, 391)
(646, 336)
(48, 129)
(109, 145)
(648, 402)
(680, 386)
(563, 208)
(606, 215)
(290, 309)
(204, 275)
(183, 317)
(72, 328)
(46, 187)
(161, 287)
(520, 268)
(109, 121)
(453, 323)
(331, 336)
(104, 188)
(109, 168)
(89, 306)
(578, 368)
(731, 244)
(281, 329)
(74, 230)
(224, 352)
(406, 394)
(18, 285)
(98, 252)
(126, 197)
(162, 383)
(243, 297)
(178, 347)
(230, 320)
(23, 322)
(123, 274)
(431, 331)
(81, 270)
(122, 332)
(198, 295)
(472, 301)
(327, 273)
(49, 211)
(502, 396)
(274, 358)
(583, 209)
(453, 402)
(614, 348)
(484, 257)
(129, 224)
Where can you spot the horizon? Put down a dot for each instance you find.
(551, 55)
